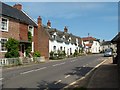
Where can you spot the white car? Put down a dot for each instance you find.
(108, 52)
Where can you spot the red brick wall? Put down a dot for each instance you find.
(23, 32)
(13, 32)
(35, 39)
(43, 42)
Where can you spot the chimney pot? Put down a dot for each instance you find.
(49, 24)
(18, 6)
(65, 29)
(39, 21)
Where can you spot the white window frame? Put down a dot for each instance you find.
(7, 24)
(32, 46)
(0, 45)
(32, 32)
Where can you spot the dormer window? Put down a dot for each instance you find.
(4, 24)
(31, 29)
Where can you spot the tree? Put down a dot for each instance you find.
(12, 48)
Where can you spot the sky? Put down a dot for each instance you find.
(99, 19)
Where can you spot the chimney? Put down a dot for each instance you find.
(49, 24)
(39, 21)
(18, 6)
(65, 29)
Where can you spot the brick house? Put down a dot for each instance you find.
(91, 44)
(51, 39)
(15, 23)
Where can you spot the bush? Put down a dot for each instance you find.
(12, 48)
(36, 54)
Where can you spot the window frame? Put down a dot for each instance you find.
(1, 45)
(32, 33)
(6, 30)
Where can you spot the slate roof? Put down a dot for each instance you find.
(60, 34)
(14, 13)
(116, 38)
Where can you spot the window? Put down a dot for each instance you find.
(2, 45)
(31, 29)
(61, 48)
(54, 48)
(4, 24)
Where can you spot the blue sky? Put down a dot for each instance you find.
(100, 19)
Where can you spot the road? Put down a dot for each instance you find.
(53, 74)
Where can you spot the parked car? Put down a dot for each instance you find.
(108, 53)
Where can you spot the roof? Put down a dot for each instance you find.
(106, 43)
(89, 45)
(60, 35)
(20, 15)
(116, 38)
(89, 39)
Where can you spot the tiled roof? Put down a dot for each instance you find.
(116, 38)
(60, 35)
(89, 39)
(9, 11)
(89, 45)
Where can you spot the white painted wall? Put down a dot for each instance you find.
(95, 47)
(58, 45)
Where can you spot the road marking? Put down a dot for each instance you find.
(33, 70)
(58, 64)
(40, 68)
(58, 82)
(67, 76)
(85, 75)
(27, 72)
(73, 60)
(80, 68)
(1, 79)
(74, 72)
(84, 66)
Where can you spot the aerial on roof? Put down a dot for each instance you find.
(9, 11)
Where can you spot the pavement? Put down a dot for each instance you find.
(103, 77)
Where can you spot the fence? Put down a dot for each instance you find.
(19, 61)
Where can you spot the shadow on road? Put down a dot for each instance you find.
(50, 85)
(79, 71)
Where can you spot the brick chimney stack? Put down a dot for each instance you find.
(65, 29)
(49, 24)
(39, 21)
(18, 6)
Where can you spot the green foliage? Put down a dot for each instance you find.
(28, 50)
(29, 36)
(12, 48)
(36, 54)
(57, 55)
(75, 53)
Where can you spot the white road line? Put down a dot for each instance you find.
(33, 70)
(40, 69)
(67, 76)
(58, 82)
(79, 68)
(74, 72)
(1, 79)
(73, 61)
(84, 66)
(58, 64)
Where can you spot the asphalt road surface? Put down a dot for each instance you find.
(53, 74)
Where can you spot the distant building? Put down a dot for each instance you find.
(51, 39)
(107, 44)
(92, 45)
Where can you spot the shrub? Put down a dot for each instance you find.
(36, 54)
(12, 48)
